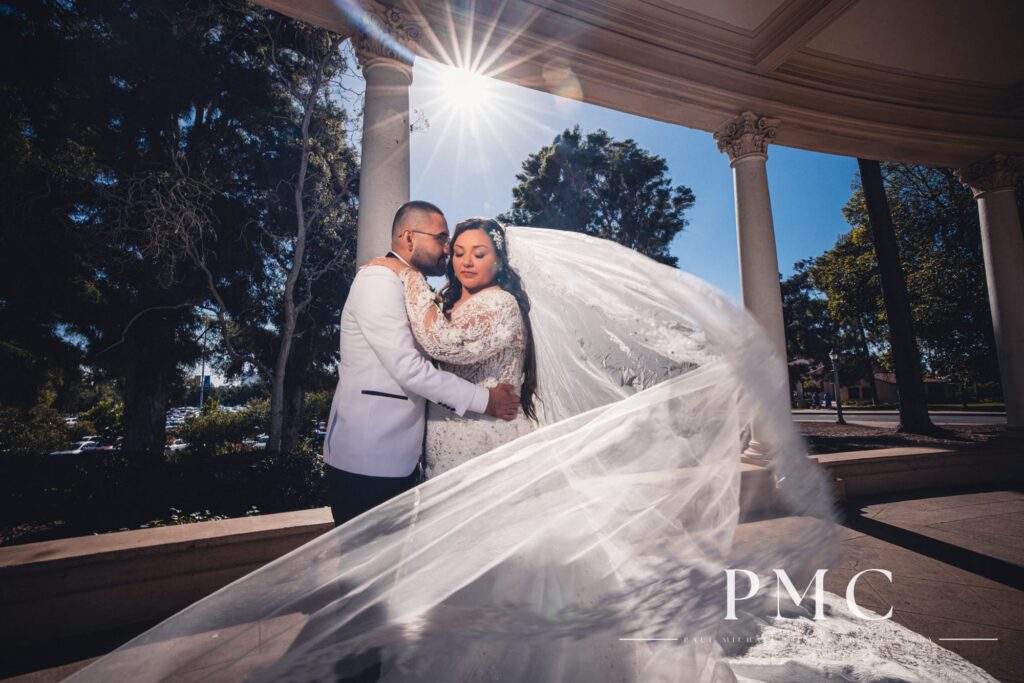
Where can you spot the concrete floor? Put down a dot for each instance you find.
(956, 559)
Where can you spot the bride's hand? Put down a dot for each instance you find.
(392, 264)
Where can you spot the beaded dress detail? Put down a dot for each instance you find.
(483, 342)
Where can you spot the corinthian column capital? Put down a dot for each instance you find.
(388, 34)
(998, 172)
(747, 134)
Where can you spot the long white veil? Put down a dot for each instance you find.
(561, 555)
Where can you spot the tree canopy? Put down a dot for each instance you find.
(160, 157)
(603, 187)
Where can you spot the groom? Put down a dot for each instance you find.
(376, 426)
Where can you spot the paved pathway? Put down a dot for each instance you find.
(957, 560)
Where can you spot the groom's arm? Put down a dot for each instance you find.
(377, 302)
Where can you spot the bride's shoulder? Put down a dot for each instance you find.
(497, 296)
(494, 298)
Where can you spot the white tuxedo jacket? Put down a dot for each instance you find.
(378, 413)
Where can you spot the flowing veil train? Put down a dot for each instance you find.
(592, 549)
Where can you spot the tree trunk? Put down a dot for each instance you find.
(299, 365)
(906, 358)
(294, 426)
(277, 386)
(145, 417)
(291, 309)
(871, 367)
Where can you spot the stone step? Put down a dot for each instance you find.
(894, 470)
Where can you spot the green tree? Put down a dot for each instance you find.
(105, 416)
(847, 275)
(810, 328)
(106, 96)
(603, 187)
(39, 430)
(941, 244)
(159, 165)
(216, 432)
(282, 323)
(936, 224)
(43, 178)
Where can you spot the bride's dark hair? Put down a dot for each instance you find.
(509, 280)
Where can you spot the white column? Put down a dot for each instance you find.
(1002, 243)
(386, 62)
(745, 139)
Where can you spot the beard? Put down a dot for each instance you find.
(431, 266)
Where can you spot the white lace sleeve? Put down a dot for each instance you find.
(487, 323)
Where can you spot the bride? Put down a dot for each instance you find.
(589, 545)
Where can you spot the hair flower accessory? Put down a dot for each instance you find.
(497, 238)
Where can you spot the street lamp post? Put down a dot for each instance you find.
(835, 386)
(202, 379)
(202, 371)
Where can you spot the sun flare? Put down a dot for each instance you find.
(466, 91)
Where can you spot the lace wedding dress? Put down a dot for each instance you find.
(485, 343)
(592, 548)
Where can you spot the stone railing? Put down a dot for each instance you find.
(83, 585)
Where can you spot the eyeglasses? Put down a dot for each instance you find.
(442, 237)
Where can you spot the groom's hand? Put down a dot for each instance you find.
(503, 403)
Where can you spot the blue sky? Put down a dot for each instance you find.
(477, 134)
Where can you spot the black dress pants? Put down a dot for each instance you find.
(350, 495)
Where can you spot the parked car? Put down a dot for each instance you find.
(79, 447)
(261, 442)
(176, 445)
